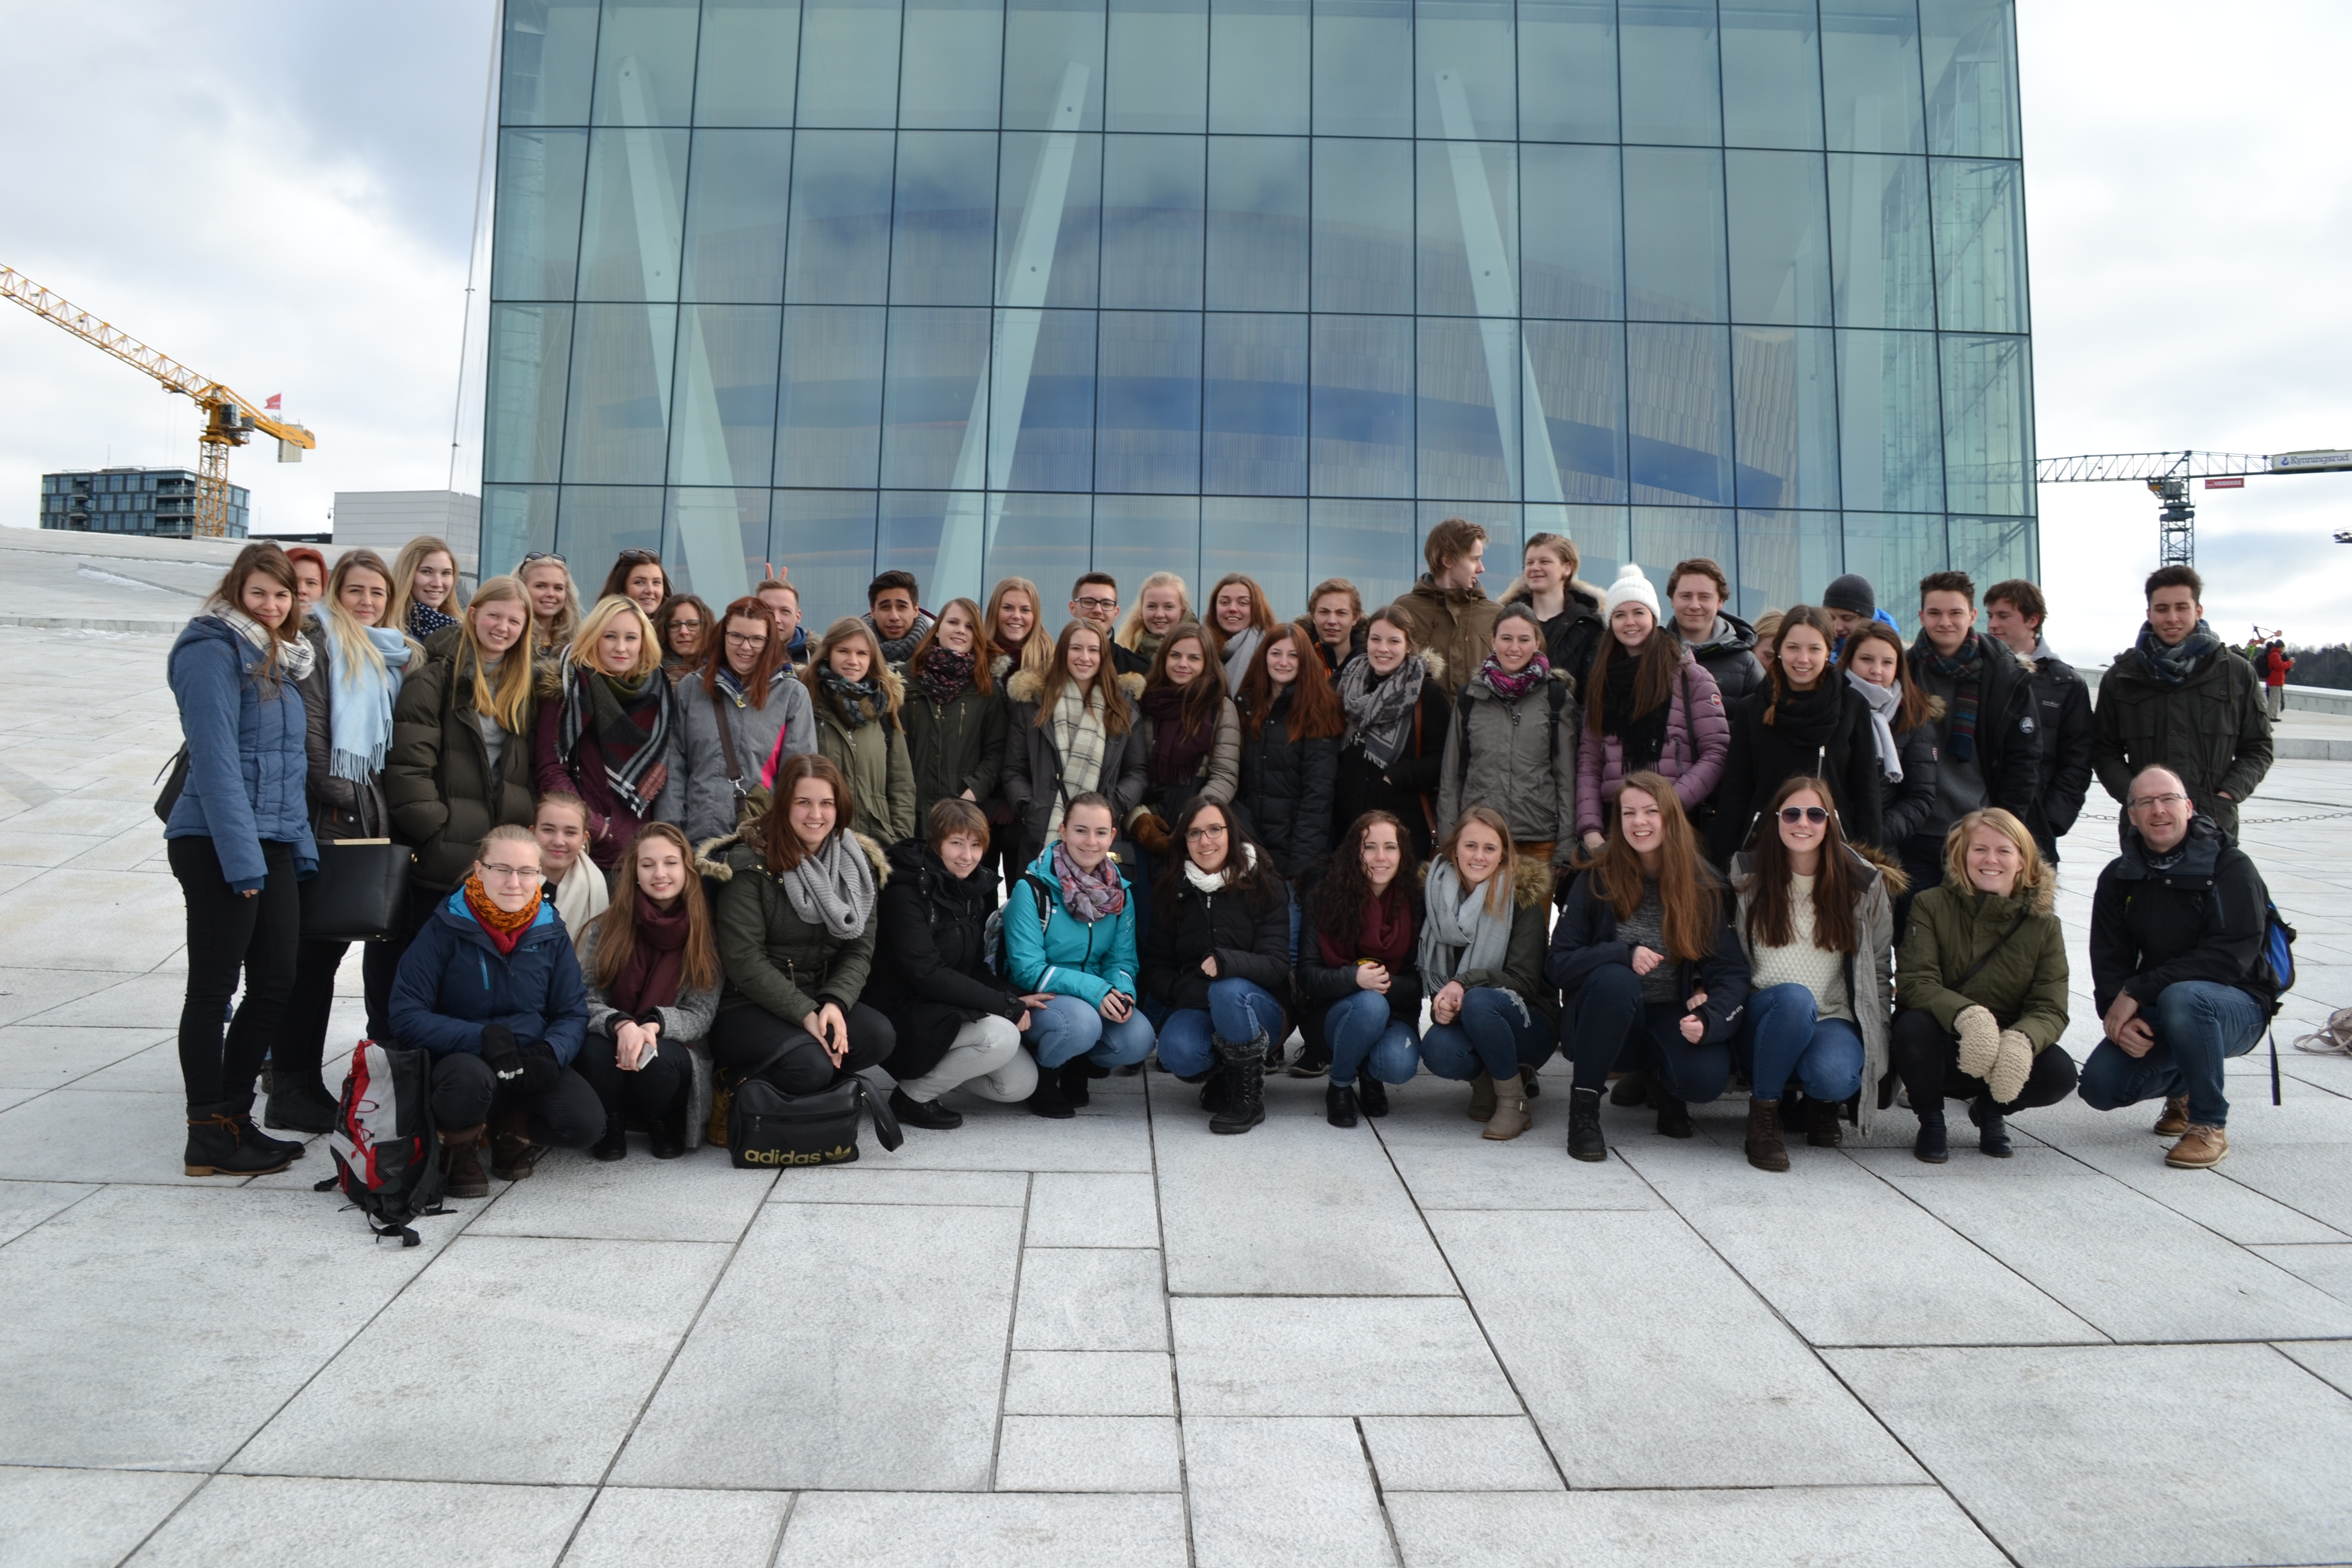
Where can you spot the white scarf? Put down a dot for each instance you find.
(1240, 648)
(1216, 881)
(293, 658)
(1882, 701)
(1461, 932)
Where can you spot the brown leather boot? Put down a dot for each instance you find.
(513, 1153)
(1765, 1149)
(1482, 1097)
(2175, 1119)
(461, 1162)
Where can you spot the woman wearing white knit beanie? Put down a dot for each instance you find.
(1649, 706)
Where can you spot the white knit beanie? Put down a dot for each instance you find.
(1630, 588)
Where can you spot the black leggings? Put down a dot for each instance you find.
(1614, 1026)
(311, 1007)
(229, 933)
(1927, 1056)
(746, 1035)
(465, 1093)
(656, 1091)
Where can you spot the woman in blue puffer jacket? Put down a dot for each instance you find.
(238, 839)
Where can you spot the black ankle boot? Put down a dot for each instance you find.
(930, 1113)
(1992, 1131)
(667, 1135)
(1340, 1105)
(1673, 1116)
(291, 1148)
(1931, 1145)
(298, 1107)
(1584, 1140)
(1246, 1072)
(1372, 1095)
(614, 1144)
(1075, 1076)
(218, 1146)
(1048, 1100)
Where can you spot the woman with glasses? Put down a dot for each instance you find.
(1217, 957)
(555, 607)
(1816, 921)
(1069, 731)
(741, 708)
(954, 712)
(857, 698)
(610, 733)
(1481, 957)
(638, 576)
(425, 593)
(1805, 721)
(682, 627)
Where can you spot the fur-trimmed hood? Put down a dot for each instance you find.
(1531, 882)
(716, 857)
(1028, 685)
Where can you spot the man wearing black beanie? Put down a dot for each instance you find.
(1850, 601)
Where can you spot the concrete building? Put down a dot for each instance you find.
(158, 501)
(383, 521)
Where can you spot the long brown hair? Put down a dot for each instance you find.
(1793, 617)
(1261, 613)
(879, 673)
(669, 612)
(1206, 694)
(981, 651)
(1315, 712)
(264, 559)
(1836, 884)
(749, 607)
(1117, 715)
(617, 581)
(1911, 709)
(509, 700)
(1499, 886)
(616, 928)
(1687, 890)
(1654, 676)
(771, 835)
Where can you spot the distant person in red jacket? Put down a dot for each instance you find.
(2274, 666)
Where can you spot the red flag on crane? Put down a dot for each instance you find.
(271, 402)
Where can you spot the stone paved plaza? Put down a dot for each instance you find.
(1120, 1340)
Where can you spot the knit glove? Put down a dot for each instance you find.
(1151, 833)
(541, 1070)
(498, 1050)
(2012, 1063)
(1979, 1040)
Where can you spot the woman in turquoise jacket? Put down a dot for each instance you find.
(1079, 950)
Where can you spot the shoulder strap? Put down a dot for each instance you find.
(1461, 714)
(1978, 967)
(726, 738)
(1044, 897)
(1557, 691)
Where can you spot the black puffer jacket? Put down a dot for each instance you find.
(2202, 917)
(2007, 742)
(955, 746)
(2061, 701)
(1906, 804)
(437, 774)
(1586, 938)
(1287, 789)
(1250, 938)
(1729, 656)
(1764, 756)
(1572, 636)
(931, 973)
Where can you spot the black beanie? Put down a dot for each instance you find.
(1850, 593)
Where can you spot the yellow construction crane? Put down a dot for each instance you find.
(229, 420)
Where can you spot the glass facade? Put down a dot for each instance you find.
(980, 287)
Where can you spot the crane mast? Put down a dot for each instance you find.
(2167, 475)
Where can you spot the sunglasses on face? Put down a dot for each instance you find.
(1792, 815)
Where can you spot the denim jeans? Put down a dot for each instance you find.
(1238, 1012)
(1071, 1026)
(1488, 1036)
(1362, 1034)
(1613, 1023)
(1782, 1039)
(2198, 1023)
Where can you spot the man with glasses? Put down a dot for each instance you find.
(1094, 597)
(2177, 927)
(2178, 699)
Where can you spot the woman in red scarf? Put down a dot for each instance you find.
(1357, 969)
(652, 968)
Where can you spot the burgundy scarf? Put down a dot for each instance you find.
(1176, 749)
(655, 965)
(1383, 935)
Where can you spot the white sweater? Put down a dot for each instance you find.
(1817, 969)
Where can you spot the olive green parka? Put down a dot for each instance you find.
(2023, 986)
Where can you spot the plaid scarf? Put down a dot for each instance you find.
(1090, 896)
(2176, 664)
(632, 728)
(1965, 669)
(857, 703)
(1077, 731)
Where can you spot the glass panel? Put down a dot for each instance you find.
(1362, 409)
(616, 426)
(1148, 401)
(1469, 214)
(935, 399)
(948, 75)
(829, 423)
(1053, 65)
(1363, 226)
(1368, 542)
(1048, 539)
(1257, 222)
(849, 62)
(1785, 408)
(944, 230)
(1152, 216)
(1780, 238)
(1575, 413)
(750, 60)
(535, 245)
(1785, 558)
(715, 542)
(1971, 50)
(1889, 429)
(1673, 234)
(645, 62)
(1137, 535)
(1992, 549)
(726, 416)
(1043, 402)
(637, 196)
(1572, 250)
(1258, 67)
(736, 205)
(840, 241)
(1363, 68)
(516, 521)
(1979, 245)
(1158, 68)
(1049, 259)
(1870, 76)
(1666, 535)
(1989, 425)
(594, 523)
(548, 62)
(1266, 538)
(1893, 553)
(1679, 395)
(1665, 55)
(1253, 406)
(1568, 70)
(1878, 242)
(908, 535)
(1468, 87)
(823, 542)
(1466, 408)
(1771, 74)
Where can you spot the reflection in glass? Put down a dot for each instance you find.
(943, 233)
(529, 357)
(1990, 549)
(1771, 74)
(596, 523)
(1466, 408)
(1047, 539)
(1368, 542)
(725, 423)
(1136, 536)
(1158, 75)
(1979, 245)
(948, 73)
(1785, 409)
(1257, 222)
(1266, 538)
(1253, 406)
(1678, 395)
(516, 521)
(1151, 218)
(1780, 238)
(547, 63)
(1148, 401)
(1576, 380)
(1972, 67)
(1785, 558)
(1891, 548)
(1665, 57)
(1469, 214)
(637, 196)
(1043, 401)
(907, 539)
(839, 252)
(829, 422)
(616, 425)
(1048, 259)
(736, 206)
(1362, 254)
(535, 246)
(1878, 242)
(1053, 65)
(1467, 85)
(1870, 76)
(1673, 234)
(934, 399)
(715, 542)
(1258, 67)
(1572, 252)
(1988, 425)
(1360, 411)
(1363, 68)
(1666, 535)
(823, 540)
(1890, 433)
(750, 60)
(1567, 75)
(645, 62)
(849, 63)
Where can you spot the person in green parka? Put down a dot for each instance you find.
(1980, 987)
(859, 700)
(954, 713)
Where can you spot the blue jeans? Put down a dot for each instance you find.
(1238, 1012)
(1488, 1036)
(1611, 1022)
(2198, 1023)
(1362, 1035)
(1071, 1026)
(1782, 1039)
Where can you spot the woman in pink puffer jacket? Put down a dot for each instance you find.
(1648, 704)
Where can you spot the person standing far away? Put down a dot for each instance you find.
(2178, 971)
(857, 698)
(1568, 608)
(1651, 706)
(1723, 645)
(2178, 699)
(2275, 669)
(1397, 719)
(744, 685)
(1807, 721)
(310, 580)
(1513, 744)
(1988, 742)
(2015, 612)
(1334, 620)
(954, 715)
(682, 626)
(1452, 620)
(895, 618)
(1161, 605)
(1014, 646)
(783, 602)
(1094, 597)
(638, 576)
(609, 731)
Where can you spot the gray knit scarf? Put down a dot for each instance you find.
(1461, 932)
(832, 886)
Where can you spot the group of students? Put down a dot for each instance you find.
(659, 851)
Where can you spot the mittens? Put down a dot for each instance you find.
(541, 1070)
(1152, 833)
(1979, 1040)
(500, 1051)
(2012, 1064)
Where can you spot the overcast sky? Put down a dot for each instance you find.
(280, 196)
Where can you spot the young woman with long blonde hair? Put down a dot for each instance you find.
(609, 733)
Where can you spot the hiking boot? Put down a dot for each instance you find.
(218, 1146)
(1048, 1100)
(1482, 1097)
(1931, 1145)
(1340, 1105)
(2174, 1121)
(1245, 1074)
(614, 1144)
(461, 1159)
(513, 1156)
(1674, 1116)
(930, 1113)
(308, 1107)
(1824, 1128)
(1992, 1132)
(1511, 1117)
(1372, 1095)
(2201, 1148)
(1631, 1088)
(1077, 1074)
(1766, 1152)
(1584, 1140)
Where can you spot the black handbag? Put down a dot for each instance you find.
(361, 890)
(767, 1127)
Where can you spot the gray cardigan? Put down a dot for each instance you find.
(687, 1024)
(698, 793)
